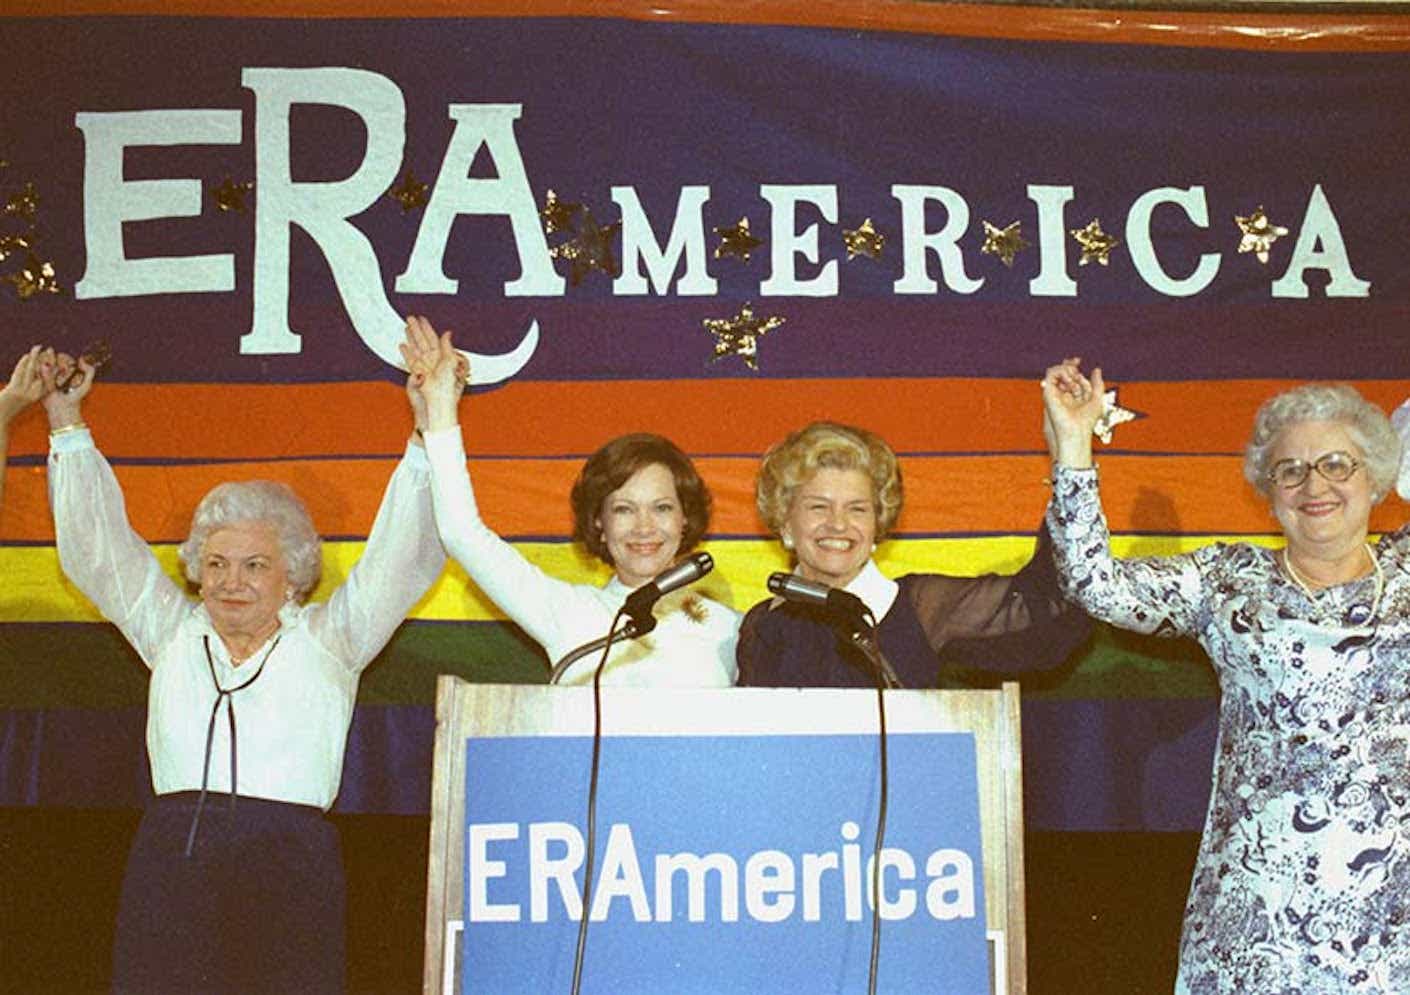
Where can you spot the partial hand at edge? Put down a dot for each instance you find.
(25, 386)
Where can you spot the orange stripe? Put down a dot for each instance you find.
(944, 495)
(1224, 29)
(1214, 416)
(237, 421)
(573, 418)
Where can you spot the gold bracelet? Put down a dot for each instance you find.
(72, 427)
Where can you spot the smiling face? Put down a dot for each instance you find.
(244, 579)
(1321, 518)
(831, 525)
(642, 523)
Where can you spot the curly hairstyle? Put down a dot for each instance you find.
(1367, 425)
(612, 465)
(268, 502)
(791, 463)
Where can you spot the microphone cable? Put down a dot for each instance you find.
(590, 860)
(638, 607)
(866, 642)
(877, 847)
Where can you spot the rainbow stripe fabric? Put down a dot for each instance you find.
(215, 191)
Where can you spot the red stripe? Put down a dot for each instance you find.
(944, 495)
(1223, 29)
(573, 418)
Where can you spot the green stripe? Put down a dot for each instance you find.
(89, 665)
(484, 652)
(1120, 664)
(68, 666)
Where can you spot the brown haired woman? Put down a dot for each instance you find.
(638, 505)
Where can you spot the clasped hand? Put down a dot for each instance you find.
(1072, 406)
(438, 373)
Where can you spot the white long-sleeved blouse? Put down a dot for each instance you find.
(292, 719)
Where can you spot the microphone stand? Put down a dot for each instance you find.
(640, 620)
(638, 623)
(635, 626)
(639, 610)
(861, 633)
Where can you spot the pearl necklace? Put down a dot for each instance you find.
(1356, 614)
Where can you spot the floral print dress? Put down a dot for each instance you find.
(1302, 883)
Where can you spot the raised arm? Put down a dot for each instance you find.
(537, 602)
(98, 549)
(401, 560)
(25, 386)
(1163, 595)
(1072, 404)
(1028, 606)
(438, 373)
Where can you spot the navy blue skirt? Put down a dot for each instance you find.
(257, 906)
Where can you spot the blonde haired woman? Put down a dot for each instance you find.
(831, 493)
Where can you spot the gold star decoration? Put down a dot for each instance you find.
(589, 249)
(864, 240)
(557, 215)
(10, 244)
(1005, 242)
(28, 272)
(410, 193)
(1113, 414)
(230, 196)
(35, 277)
(737, 241)
(1096, 244)
(739, 336)
(24, 204)
(1259, 234)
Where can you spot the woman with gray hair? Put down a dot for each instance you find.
(831, 493)
(1302, 882)
(235, 879)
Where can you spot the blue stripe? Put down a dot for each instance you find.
(1100, 766)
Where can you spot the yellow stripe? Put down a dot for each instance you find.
(36, 591)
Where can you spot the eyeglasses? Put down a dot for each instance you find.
(1334, 466)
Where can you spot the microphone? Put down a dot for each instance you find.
(637, 608)
(839, 603)
(688, 571)
(633, 628)
(845, 608)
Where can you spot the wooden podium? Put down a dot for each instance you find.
(465, 711)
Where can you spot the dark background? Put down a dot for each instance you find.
(1103, 908)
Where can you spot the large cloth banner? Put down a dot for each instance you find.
(715, 224)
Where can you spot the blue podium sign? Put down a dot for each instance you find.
(724, 864)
